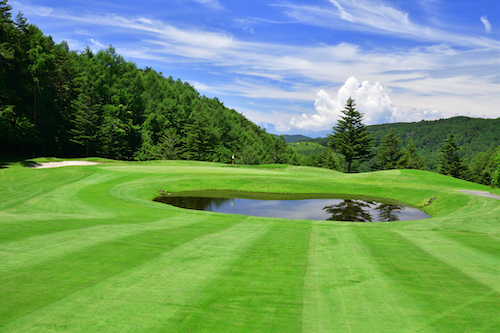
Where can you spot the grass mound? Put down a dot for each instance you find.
(84, 248)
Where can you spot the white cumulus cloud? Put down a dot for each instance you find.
(371, 99)
(487, 24)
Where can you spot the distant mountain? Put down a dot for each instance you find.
(294, 138)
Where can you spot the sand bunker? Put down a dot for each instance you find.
(47, 165)
(482, 194)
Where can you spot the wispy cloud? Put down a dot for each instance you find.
(96, 43)
(377, 17)
(249, 23)
(82, 32)
(487, 24)
(214, 4)
(343, 14)
(32, 9)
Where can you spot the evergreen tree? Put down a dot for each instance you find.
(251, 154)
(411, 159)
(496, 173)
(198, 135)
(389, 152)
(168, 147)
(328, 159)
(450, 163)
(350, 137)
(280, 147)
(14, 131)
(85, 120)
(483, 166)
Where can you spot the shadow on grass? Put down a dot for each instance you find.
(5, 162)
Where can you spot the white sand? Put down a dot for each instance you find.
(62, 164)
(482, 194)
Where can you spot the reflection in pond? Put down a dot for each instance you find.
(350, 210)
(353, 210)
(389, 213)
(363, 211)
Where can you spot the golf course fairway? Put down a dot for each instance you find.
(85, 249)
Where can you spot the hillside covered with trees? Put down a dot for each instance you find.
(473, 135)
(59, 102)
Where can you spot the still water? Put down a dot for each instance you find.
(353, 210)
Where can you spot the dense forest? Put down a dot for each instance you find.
(58, 102)
(473, 135)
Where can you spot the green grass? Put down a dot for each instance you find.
(85, 249)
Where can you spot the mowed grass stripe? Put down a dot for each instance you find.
(38, 249)
(145, 297)
(261, 291)
(450, 300)
(65, 209)
(480, 265)
(486, 243)
(28, 289)
(18, 184)
(346, 291)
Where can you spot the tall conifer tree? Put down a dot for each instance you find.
(390, 153)
(412, 159)
(496, 173)
(450, 163)
(350, 137)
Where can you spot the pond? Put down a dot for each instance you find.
(301, 207)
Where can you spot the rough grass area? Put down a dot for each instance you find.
(85, 249)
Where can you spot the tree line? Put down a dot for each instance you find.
(59, 102)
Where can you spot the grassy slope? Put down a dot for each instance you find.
(85, 249)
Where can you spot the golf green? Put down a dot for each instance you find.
(85, 249)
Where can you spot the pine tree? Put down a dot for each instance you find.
(350, 137)
(328, 159)
(168, 147)
(411, 159)
(450, 163)
(197, 135)
(279, 148)
(496, 174)
(483, 166)
(389, 152)
(85, 122)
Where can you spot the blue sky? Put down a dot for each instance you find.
(292, 64)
